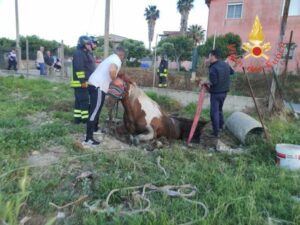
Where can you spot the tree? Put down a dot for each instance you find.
(151, 14)
(176, 48)
(99, 51)
(34, 43)
(224, 43)
(135, 50)
(196, 32)
(184, 7)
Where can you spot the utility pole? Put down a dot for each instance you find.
(27, 57)
(106, 29)
(62, 58)
(18, 49)
(281, 38)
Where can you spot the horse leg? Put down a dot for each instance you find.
(148, 135)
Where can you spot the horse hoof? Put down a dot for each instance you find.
(134, 140)
(105, 131)
(159, 144)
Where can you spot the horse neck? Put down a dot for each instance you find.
(126, 101)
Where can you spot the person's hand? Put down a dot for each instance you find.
(230, 62)
(84, 85)
(204, 83)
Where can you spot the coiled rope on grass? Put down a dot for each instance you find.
(141, 193)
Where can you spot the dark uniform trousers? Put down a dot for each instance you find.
(81, 107)
(97, 98)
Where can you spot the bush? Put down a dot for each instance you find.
(222, 43)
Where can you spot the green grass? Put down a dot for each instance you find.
(237, 189)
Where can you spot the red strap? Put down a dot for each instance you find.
(198, 112)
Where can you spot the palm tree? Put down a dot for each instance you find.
(184, 7)
(196, 32)
(151, 14)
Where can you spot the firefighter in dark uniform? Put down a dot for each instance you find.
(83, 67)
(94, 43)
(163, 73)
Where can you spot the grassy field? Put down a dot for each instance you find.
(35, 116)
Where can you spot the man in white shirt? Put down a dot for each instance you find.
(40, 60)
(99, 82)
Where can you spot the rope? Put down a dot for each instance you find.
(117, 108)
(160, 167)
(140, 192)
(82, 198)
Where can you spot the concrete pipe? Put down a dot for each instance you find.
(241, 124)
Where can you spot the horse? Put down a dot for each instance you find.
(145, 120)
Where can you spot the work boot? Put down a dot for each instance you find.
(90, 142)
(212, 135)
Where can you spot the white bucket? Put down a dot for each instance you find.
(288, 156)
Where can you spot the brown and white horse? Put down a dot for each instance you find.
(144, 119)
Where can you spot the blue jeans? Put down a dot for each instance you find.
(216, 111)
(42, 69)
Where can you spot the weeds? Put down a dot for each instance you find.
(238, 189)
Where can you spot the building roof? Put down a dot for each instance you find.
(172, 33)
(115, 38)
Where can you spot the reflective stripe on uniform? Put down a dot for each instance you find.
(75, 83)
(80, 74)
(163, 74)
(77, 113)
(84, 114)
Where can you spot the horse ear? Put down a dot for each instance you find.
(125, 78)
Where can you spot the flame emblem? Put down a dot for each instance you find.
(256, 48)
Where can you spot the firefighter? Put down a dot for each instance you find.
(163, 73)
(94, 43)
(83, 67)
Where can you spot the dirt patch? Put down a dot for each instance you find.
(109, 143)
(62, 106)
(50, 156)
(40, 118)
(18, 95)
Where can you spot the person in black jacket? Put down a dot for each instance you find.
(49, 61)
(163, 73)
(12, 60)
(219, 83)
(83, 67)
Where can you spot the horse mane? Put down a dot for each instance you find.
(125, 78)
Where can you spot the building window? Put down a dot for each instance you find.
(294, 9)
(292, 50)
(234, 10)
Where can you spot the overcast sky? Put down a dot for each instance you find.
(68, 19)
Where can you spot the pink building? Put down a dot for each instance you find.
(237, 16)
